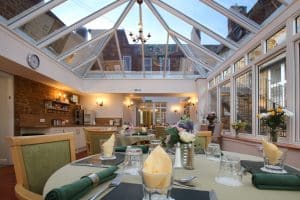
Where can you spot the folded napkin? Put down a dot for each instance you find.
(108, 146)
(144, 148)
(157, 169)
(276, 181)
(79, 188)
(264, 180)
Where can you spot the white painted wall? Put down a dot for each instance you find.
(112, 104)
(145, 86)
(6, 115)
(201, 88)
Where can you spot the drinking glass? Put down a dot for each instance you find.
(157, 186)
(213, 151)
(230, 171)
(275, 163)
(133, 160)
(107, 152)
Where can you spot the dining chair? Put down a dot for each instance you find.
(36, 158)
(93, 137)
(203, 138)
(217, 134)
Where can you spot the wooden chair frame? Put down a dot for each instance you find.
(207, 135)
(89, 132)
(16, 143)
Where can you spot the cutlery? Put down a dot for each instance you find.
(186, 179)
(184, 185)
(115, 182)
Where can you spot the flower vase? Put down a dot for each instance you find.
(187, 152)
(273, 136)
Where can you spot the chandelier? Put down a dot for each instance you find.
(140, 36)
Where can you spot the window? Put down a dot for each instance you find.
(218, 78)
(162, 64)
(239, 64)
(272, 88)
(225, 105)
(160, 111)
(213, 100)
(226, 72)
(127, 63)
(252, 55)
(211, 83)
(277, 39)
(243, 100)
(298, 24)
(148, 64)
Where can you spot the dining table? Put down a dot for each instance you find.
(205, 169)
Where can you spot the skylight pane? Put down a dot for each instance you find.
(81, 71)
(10, 9)
(256, 10)
(203, 14)
(84, 54)
(63, 15)
(110, 58)
(87, 32)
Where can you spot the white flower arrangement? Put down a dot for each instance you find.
(186, 137)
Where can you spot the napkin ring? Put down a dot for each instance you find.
(94, 178)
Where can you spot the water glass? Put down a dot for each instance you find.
(275, 163)
(133, 160)
(213, 151)
(157, 186)
(106, 152)
(230, 173)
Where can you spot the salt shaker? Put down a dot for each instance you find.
(177, 163)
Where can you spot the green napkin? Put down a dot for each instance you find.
(79, 188)
(276, 181)
(265, 180)
(123, 148)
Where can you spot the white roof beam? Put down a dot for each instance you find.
(32, 12)
(231, 44)
(186, 54)
(67, 29)
(119, 53)
(235, 16)
(116, 25)
(166, 56)
(107, 39)
(84, 63)
(84, 44)
(199, 47)
(286, 2)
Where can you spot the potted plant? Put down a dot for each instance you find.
(238, 125)
(275, 120)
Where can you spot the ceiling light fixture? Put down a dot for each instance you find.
(140, 36)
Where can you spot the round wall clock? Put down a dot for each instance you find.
(33, 61)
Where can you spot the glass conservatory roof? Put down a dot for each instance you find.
(100, 38)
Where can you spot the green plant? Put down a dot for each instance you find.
(238, 125)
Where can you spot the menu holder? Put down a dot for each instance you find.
(95, 161)
(130, 191)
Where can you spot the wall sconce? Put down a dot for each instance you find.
(99, 102)
(175, 111)
(130, 104)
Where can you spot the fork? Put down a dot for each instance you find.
(115, 182)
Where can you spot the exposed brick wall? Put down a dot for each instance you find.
(11, 8)
(29, 98)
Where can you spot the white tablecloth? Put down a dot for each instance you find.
(206, 170)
